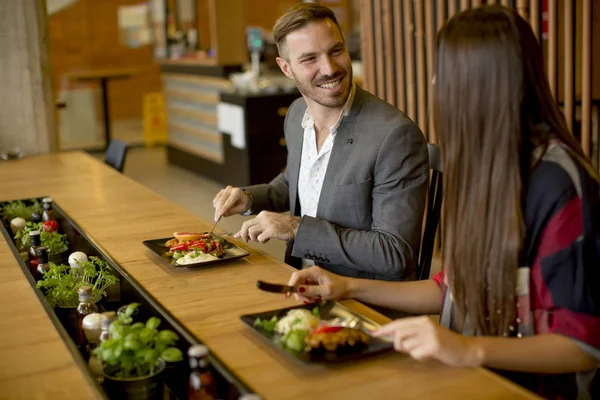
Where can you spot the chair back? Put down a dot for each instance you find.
(115, 154)
(434, 207)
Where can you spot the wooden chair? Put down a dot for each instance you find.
(115, 154)
(434, 207)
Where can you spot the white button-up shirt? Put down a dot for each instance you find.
(313, 165)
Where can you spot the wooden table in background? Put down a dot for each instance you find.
(119, 214)
(103, 76)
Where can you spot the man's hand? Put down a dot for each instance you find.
(269, 225)
(231, 200)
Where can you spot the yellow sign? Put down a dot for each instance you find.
(155, 119)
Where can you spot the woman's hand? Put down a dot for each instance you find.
(422, 338)
(316, 284)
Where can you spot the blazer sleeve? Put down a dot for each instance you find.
(399, 191)
(275, 195)
(272, 196)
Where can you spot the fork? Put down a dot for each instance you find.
(352, 323)
(228, 234)
(215, 225)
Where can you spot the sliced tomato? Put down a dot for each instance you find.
(197, 244)
(328, 329)
(179, 247)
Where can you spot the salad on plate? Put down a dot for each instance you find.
(193, 247)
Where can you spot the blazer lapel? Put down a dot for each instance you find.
(343, 146)
(297, 138)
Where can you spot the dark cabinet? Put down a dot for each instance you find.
(263, 154)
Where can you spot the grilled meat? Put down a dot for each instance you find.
(347, 338)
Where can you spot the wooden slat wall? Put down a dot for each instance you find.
(389, 48)
(430, 43)
(379, 49)
(586, 77)
(399, 57)
(569, 61)
(366, 48)
(409, 39)
(552, 44)
(398, 39)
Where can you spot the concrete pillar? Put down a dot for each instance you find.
(27, 105)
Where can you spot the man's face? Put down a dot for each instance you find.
(319, 64)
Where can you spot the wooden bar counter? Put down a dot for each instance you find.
(119, 214)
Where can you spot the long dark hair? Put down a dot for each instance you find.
(491, 98)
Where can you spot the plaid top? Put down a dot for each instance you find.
(558, 289)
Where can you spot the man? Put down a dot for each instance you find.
(357, 171)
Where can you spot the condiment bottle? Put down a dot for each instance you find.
(95, 364)
(36, 242)
(36, 217)
(75, 260)
(92, 327)
(107, 318)
(43, 266)
(86, 306)
(17, 225)
(48, 213)
(249, 396)
(201, 383)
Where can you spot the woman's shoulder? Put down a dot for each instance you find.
(560, 195)
(557, 179)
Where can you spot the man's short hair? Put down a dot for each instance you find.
(298, 17)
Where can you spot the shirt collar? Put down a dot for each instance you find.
(307, 120)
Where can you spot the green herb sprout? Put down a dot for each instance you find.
(55, 242)
(137, 348)
(61, 282)
(16, 209)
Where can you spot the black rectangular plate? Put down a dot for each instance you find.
(157, 246)
(327, 310)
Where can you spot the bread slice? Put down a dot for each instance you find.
(189, 236)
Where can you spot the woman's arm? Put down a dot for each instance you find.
(547, 354)
(420, 297)
(423, 338)
(315, 283)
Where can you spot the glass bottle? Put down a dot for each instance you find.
(43, 266)
(36, 217)
(92, 327)
(107, 318)
(48, 213)
(36, 242)
(249, 396)
(86, 306)
(201, 383)
(95, 364)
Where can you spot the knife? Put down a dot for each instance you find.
(275, 287)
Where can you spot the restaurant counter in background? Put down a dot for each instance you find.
(230, 136)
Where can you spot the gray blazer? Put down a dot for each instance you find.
(370, 211)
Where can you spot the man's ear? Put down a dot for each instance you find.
(284, 65)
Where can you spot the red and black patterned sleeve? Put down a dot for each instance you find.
(439, 278)
(563, 243)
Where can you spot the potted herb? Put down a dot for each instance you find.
(135, 357)
(61, 283)
(56, 243)
(18, 209)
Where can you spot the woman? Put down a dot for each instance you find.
(521, 230)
